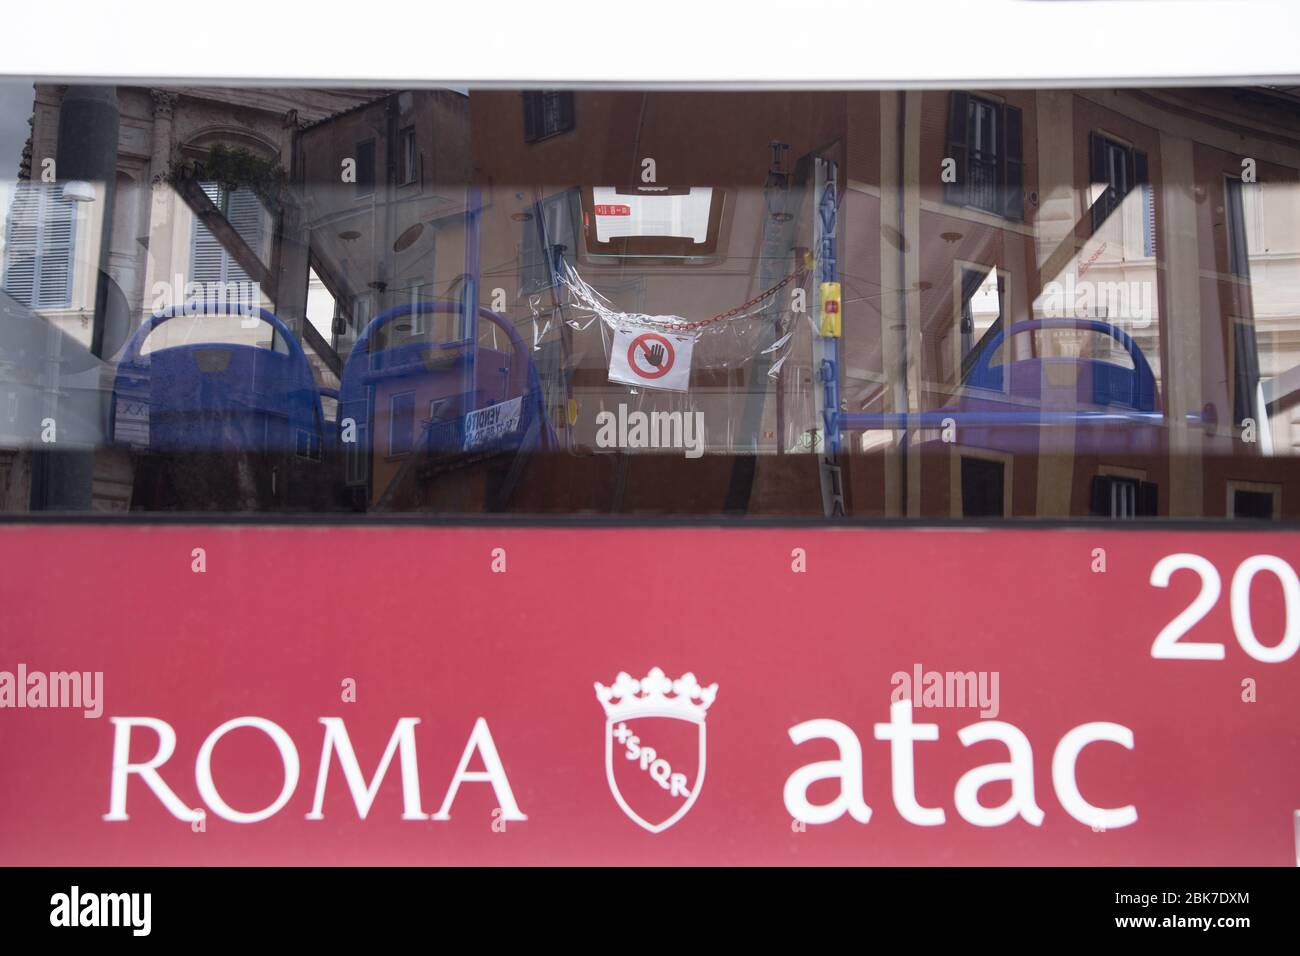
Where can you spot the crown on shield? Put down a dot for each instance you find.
(629, 698)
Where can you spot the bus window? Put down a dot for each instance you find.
(973, 305)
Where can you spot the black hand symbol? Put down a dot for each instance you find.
(655, 356)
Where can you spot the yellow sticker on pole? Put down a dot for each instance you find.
(831, 309)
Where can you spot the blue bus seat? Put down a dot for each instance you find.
(429, 378)
(1060, 387)
(218, 396)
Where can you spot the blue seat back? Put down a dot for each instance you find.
(1099, 383)
(217, 396)
(436, 374)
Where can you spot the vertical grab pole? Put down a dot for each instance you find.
(469, 307)
(554, 257)
(826, 339)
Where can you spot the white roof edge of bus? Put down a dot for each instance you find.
(666, 43)
(697, 85)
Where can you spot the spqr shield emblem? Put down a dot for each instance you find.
(655, 767)
(655, 745)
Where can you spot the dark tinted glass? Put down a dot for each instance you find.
(969, 304)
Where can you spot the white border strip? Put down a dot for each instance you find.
(653, 43)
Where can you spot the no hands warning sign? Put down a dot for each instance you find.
(651, 359)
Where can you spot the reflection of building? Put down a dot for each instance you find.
(962, 215)
(386, 233)
(544, 192)
(1063, 205)
(155, 234)
(158, 243)
(392, 231)
(1134, 213)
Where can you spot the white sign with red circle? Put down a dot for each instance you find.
(651, 359)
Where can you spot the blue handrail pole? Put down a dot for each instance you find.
(826, 347)
(902, 421)
(473, 215)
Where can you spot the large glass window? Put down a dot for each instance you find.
(976, 305)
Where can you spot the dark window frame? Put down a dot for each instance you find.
(1243, 498)
(364, 187)
(1123, 498)
(1102, 151)
(408, 144)
(1003, 163)
(976, 499)
(548, 113)
(406, 424)
(973, 277)
(555, 222)
(1244, 347)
